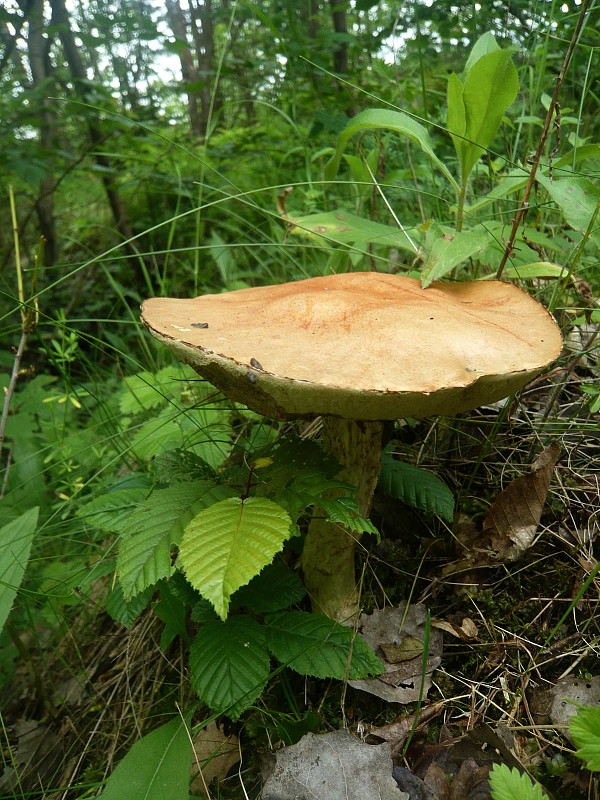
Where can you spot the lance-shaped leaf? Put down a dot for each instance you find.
(157, 766)
(382, 118)
(416, 487)
(16, 539)
(579, 201)
(340, 227)
(226, 545)
(475, 107)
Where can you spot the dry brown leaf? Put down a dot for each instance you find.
(214, 754)
(397, 636)
(512, 521)
(466, 631)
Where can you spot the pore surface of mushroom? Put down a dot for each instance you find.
(358, 349)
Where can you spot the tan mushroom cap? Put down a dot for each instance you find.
(361, 345)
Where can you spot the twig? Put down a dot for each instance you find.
(524, 207)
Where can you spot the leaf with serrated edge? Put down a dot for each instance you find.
(416, 487)
(312, 644)
(584, 727)
(229, 664)
(507, 784)
(276, 587)
(226, 545)
(155, 526)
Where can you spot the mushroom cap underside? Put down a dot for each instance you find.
(361, 345)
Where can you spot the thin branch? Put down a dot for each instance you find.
(524, 207)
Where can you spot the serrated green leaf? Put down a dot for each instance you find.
(126, 612)
(181, 465)
(382, 118)
(312, 644)
(276, 587)
(416, 487)
(156, 767)
(16, 539)
(584, 727)
(507, 784)
(226, 545)
(112, 511)
(447, 250)
(344, 510)
(229, 664)
(151, 531)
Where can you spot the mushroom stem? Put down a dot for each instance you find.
(328, 555)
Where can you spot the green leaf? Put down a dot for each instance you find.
(445, 250)
(344, 228)
(490, 87)
(507, 784)
(584, 727)
(416, 487)
(123, 611)
(171, 610)
(396, 121)
(276, 587)
(484, 45)
(578, 199)
(537, 269)
(157, 766)
(344, 510)
(226, 545)
(16, 539)
(112, 511)
(229, 664)
(312, 644)
(151, 531)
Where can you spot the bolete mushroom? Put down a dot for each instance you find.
(358, 349)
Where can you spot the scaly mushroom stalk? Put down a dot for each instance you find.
(328, 554)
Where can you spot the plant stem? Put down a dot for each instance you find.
(524, 207)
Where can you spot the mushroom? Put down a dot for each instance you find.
(358, 349)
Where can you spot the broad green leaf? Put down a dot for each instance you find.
(226, 545)
(229, 664)
(484, 45)
(154, 528)
(446, 251)
(578, 199)
(490, 87)
(275, 588)
(312, 644)
(344, 510)
(16, 539)
(396, 121)
(342, 227)
(112, 511)
(416, 487)
(584, 727)
(157, 767)
(507, 784)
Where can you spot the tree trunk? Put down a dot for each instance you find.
(203, 32)
(340, 25)
(60, 17)
(189, 71)
(37, 47)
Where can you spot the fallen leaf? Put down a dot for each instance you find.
(397, 635)
(466, 631)
(512, 521)
(214, 755)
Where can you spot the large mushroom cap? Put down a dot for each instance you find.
(361, 345)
